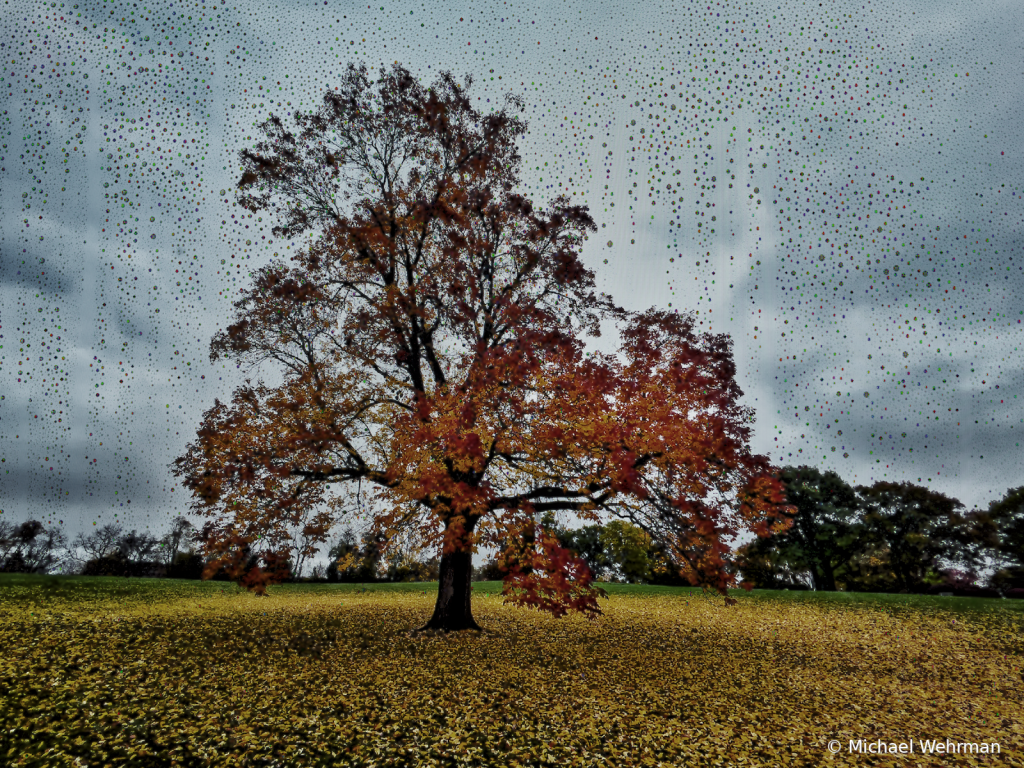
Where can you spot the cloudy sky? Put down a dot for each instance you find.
(837, 186)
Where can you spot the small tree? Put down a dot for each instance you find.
(629, 549)
(353, 562)
(8, 544)
(186, 565)
(343, 556)
(663, 574)
(412, 569)
(180, 539)
(407, 562)
(587, 544)
(101, 543)
(31, 548)
(137, 551)
(489, 570)
(245, 564)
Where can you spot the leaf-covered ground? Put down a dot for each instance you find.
(97, 672)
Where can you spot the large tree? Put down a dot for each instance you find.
(430, 331)
(825, 533)
(914, 523)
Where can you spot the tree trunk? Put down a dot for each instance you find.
(453, 611)
(828, 578)
(815, 580)
(899, 568)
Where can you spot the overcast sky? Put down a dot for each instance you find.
(838, 188)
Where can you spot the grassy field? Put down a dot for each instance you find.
(145, 672)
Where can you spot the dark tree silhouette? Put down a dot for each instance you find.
(869, 569)
(972, 539)
(763, 565)
(1006, 516)
(825, 532)
(30, 547)
(913, 523)
(137, 548)
(101, 543)
(179, 539)
(431, 337)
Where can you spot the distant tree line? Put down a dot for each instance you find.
(616, 551)
(886, 537)
(108, 551)
(30, 547)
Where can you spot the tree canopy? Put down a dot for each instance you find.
(1003, 524)
(824, 534)
(911, 521)
(431, 335)
(878, 537)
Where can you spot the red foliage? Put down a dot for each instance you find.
(554, 580)
(433, 342)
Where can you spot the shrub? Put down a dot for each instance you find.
(952, 580)
(186, 565)
(117, 565)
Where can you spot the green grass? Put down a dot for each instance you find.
(90, 588)
(925, 603)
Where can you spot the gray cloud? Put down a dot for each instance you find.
(107, 129)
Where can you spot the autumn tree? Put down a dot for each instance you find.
(355, 561)
(408, 561)
(430, 329)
